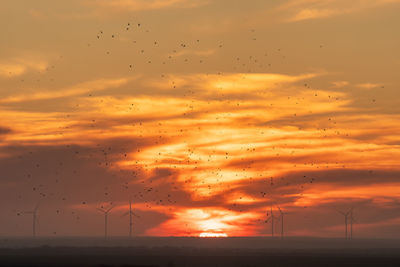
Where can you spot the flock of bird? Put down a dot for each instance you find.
(148, 190)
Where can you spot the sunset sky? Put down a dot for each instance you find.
(206, 114)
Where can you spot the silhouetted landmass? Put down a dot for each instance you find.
(197, 252)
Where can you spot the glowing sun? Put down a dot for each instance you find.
(210, 234)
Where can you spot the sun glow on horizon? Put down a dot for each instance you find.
(211, 234)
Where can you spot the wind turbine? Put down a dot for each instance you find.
(272, 218)
(351, 223)
(105, 211)
(281, 218)
(34, 218)
(346, 217)
(130, 213)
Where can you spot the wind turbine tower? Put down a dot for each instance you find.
(130, 218)
(281, 218)
(105, 211)
(346, 218)
(34, 219)
(351, 223)
(271, 218)
(130, 213)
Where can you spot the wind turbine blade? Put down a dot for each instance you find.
(280, 210)
(341, 212)
(109, 209)
(101, 210)
(352, 217)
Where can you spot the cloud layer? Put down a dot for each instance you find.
(207, 115)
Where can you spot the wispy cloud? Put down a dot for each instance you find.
(306, 14)
(300, 10)
(369, 85)
(207, 52)
(19, 66)
(137, 5)
(232, 83)
(340, 84)
(76, 90)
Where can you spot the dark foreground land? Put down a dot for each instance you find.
(193, 252)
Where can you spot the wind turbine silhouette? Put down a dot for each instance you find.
(351, 222)
(34, 218)
(281, 218)
(105, 211)
(346, 218)
(272, 218)
(130, 213)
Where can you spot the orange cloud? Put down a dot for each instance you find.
(326, 194)
(227, 160)
(79, 89)
(368, 86)
(20, 66)
(206, 221)
(137, 5)
(311, 9)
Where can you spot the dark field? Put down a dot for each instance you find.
(168, 252)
